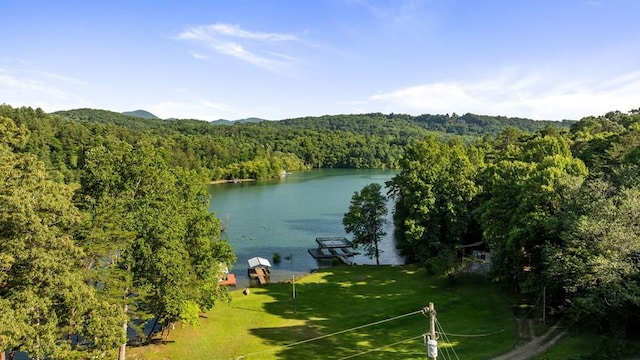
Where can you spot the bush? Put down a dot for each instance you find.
(444, 266)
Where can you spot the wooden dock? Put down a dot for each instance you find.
(343, 258)
(260, 275)
(333, 247)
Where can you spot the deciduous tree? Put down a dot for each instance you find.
(597, 266)
(366, 219)
(44, 300)
(433, 194)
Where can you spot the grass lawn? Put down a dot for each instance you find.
(579, 345)
(263, 325)
(571, 346)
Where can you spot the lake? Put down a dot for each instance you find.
(286, 215)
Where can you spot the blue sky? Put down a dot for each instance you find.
(557, 59)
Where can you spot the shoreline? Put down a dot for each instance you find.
(214, 182)
(277, 277)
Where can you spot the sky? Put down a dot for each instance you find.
(278, 59)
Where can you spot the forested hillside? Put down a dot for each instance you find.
(466, 125)
(249, 150)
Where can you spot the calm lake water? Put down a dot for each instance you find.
(286, 215)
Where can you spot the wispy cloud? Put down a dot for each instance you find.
(201, 110)
(401, 15)
(258, 48)
(397, 11)
(38, 89)
(62, 78)
(236, 31)
(199, 56)
(537, 95)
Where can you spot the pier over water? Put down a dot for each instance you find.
(334, 247)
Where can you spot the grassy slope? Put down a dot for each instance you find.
(259, 326)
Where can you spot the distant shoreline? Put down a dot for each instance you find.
(214, 182)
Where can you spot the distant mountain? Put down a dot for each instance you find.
(241, 121)
(141, 114)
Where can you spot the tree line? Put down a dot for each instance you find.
(248, 150)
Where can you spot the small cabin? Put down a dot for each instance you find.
(476, 257)
(226, 278)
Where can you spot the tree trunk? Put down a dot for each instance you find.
(123, 348)
(375, 243)
(3, 355)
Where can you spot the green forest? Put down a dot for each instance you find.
(105, 223)
(559, 209)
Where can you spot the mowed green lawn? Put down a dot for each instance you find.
(263, 324)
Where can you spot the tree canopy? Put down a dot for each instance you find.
(132, 240)
(43, 298)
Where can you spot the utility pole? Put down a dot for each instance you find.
(293, 292)
(432, 343)
(544, 305)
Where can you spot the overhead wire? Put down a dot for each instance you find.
(476, 335)
(446, 339)
(332, 334)
(381, 347)
(467, 335)
(422, 311)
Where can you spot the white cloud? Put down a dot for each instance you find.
(62, 78)
(38, 89)
(200, 110)
(236, 31)
(257, 48)
(198, 56)
(537, 95)
(208, 110)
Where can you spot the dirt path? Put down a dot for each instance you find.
(529, 344)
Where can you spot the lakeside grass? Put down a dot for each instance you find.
(263, 325)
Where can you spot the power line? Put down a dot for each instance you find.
(469, 335)
(446, 339)
(333, 334)
(476, 335)
(381, 347)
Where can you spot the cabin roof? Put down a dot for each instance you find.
(475, 244)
